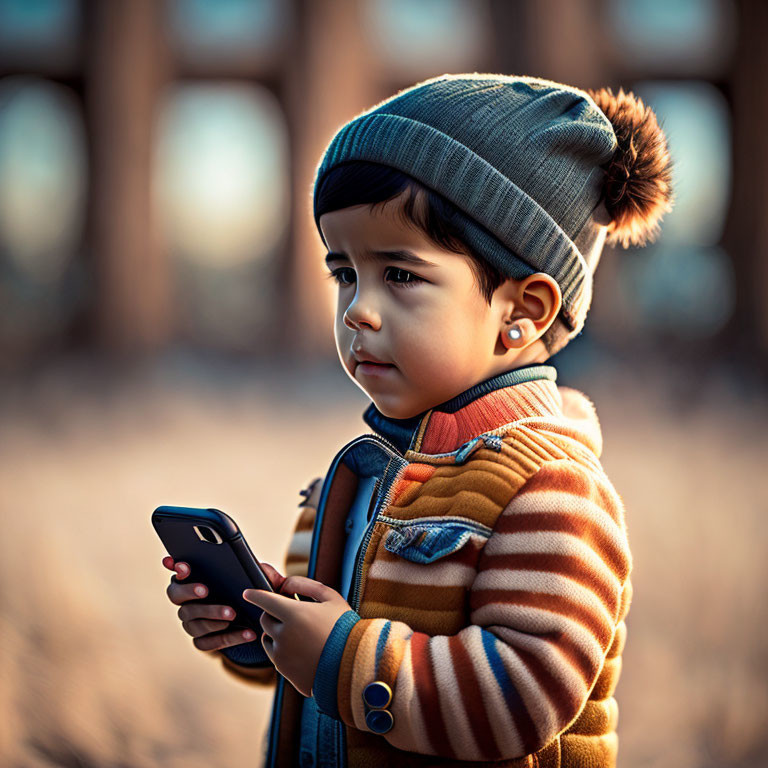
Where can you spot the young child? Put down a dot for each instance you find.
(468, 558)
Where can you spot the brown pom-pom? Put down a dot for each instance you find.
(638, 179)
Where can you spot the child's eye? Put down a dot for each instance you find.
(404, 278)
(336, 275)
(400, 277)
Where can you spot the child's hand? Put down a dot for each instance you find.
(206, 622)
(295, 631)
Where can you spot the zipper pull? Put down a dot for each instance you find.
(489, 441)
(467, 449)
(494, 442)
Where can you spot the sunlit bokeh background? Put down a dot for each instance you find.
(166, 338)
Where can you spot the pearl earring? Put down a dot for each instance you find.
(514, 332)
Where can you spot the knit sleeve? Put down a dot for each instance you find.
(249, 662)
(544, 606)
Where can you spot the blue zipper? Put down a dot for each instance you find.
(393, 467)
(312, 566)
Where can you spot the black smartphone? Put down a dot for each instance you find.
(211, 543)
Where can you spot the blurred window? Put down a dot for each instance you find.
(417, 39)
(226, 31)
(224, 197)
(687, 36)
(42, 203)
(39, 31)
(684, 283)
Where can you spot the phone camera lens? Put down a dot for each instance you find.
(207, 534)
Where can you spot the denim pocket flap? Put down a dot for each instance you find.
(427, 543)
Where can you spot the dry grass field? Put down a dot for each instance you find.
(96, 671)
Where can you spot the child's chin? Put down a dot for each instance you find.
(393, 410)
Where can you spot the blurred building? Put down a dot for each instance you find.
(156, 162)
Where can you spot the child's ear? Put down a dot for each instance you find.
(539, 299)
(536, 297)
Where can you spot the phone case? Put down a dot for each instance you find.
(210, 541)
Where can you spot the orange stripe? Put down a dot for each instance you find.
(574, 653)
(566, 475)
(415, 596)
(554, 603)
(411, 479)
(570, 477)
(565, 522)
(563, 565)
(565, 703)
(419, 472)
(426, 687)
(446, 431)
(469, 685)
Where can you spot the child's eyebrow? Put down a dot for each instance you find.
(405, 256)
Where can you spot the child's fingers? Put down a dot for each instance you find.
(202, 627)
(275, 577)
(182, 570)
(309, 588)
(179, 593)
(195, 610)
(223, 640)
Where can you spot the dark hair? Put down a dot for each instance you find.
(364, 183)
(360, 183)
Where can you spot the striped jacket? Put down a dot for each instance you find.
(490, 590)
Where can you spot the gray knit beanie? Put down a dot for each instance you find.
(526, 160)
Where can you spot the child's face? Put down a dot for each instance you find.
(428, 322)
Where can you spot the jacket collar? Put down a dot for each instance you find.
(529, 390)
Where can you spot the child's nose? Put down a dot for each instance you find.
(362, 313)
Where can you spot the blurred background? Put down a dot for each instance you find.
(164, 323)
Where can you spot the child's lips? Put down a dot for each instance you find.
(374, 369)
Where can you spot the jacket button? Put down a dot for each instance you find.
(379, 720)
(377, 695)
